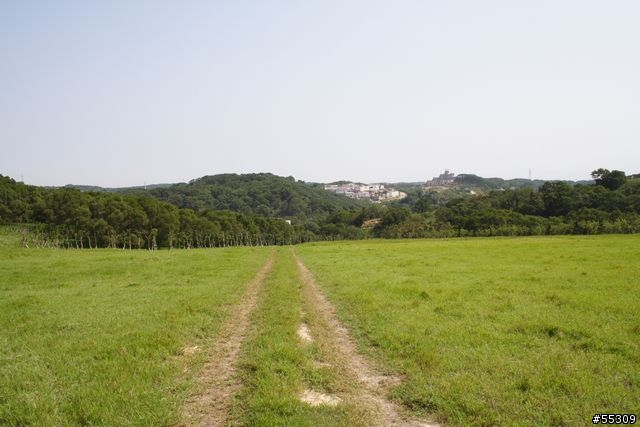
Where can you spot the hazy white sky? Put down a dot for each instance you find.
(116, 93)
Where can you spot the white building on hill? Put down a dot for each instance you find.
(373, 192)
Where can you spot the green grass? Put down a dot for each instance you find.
(503, 331)
(509, 331)
(95, 337)
(276, 367)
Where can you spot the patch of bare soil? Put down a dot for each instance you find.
(218, 378)
(315, 398)
(190, 350)
(304, 334)
(373, 386)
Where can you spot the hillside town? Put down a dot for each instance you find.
(373, 192)
(378, 192)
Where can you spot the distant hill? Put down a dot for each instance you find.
(269, 195)
(470, 180)
(129, 190)
(260, 193)
(232, 210)
(477, 182)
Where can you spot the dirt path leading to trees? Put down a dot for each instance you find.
(219, 382)
(372, 386)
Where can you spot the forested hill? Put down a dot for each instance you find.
(475, 181)
(263, 209)
(471, 181)
(262, 194)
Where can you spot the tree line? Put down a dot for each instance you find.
(69, 218)
(611, 204)
(291, 213)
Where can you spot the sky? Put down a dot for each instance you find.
(122, 93)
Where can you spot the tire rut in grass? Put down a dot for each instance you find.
(371, 386)
(218, 377)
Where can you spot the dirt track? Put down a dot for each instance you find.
(367, 389)
(372, 385)
(219, 382)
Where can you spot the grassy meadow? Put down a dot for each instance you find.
(496, 331)
(275, 366)
(502, 331)
(97, 337)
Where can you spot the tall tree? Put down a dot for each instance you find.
(609, 179)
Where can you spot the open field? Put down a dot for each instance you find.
(524, 331)
(110, 337)
(512, 331)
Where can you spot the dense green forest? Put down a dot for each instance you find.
(67, 217)
(263, 209)
(261, 194)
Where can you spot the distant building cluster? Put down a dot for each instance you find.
(373, 192)
(444, 179)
